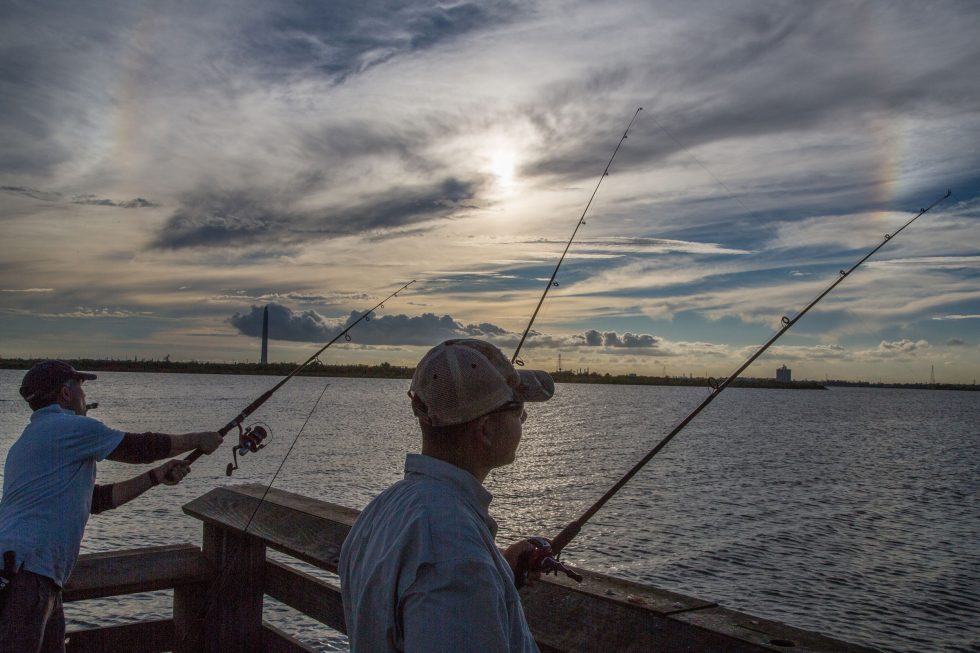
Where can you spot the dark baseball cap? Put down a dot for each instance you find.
(47, 376)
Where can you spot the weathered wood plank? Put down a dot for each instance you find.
(301, 591)
(277, 641)
(607, 588)
(304, 528)
(234, 621)
(113, 573)
(771, 635)
(142, 636)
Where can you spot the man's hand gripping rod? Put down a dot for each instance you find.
(545, 556)
(252, 407)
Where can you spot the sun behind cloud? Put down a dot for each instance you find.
(502, 166)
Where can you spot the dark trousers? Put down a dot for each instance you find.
(32, 620)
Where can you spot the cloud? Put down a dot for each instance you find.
(137, 203)
(641, 245)
(32, 193)
(902, 346)
(957, 317)
(350, 38)
(956, 342)
(83, 312)
(309, 326)
(426, 329)
(92, 200)
(27, 290)
(593, 338)
(211, 218)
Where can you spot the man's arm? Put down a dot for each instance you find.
(142, 448)
(107, 497)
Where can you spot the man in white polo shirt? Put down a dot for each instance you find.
(420, 570)
(49, 491)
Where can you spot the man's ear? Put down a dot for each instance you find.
(64, 395)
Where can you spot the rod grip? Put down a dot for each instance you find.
(565, 536)
(223, 431)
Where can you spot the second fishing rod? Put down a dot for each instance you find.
(545, 557)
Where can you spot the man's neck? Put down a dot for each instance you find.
(456, 459)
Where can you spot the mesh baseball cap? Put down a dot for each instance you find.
(47, 376)
(461, 380)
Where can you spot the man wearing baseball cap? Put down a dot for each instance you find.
(420, 570)
(49, 491)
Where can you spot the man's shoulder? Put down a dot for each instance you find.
(425, 505)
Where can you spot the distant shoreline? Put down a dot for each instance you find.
(388, 371)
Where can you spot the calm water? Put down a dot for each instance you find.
(852, 512)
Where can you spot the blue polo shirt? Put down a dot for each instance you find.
(47, 489)
(420, 572)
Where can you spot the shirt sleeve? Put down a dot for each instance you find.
(92, 439)
(455, 606)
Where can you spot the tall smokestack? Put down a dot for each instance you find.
(265, 336)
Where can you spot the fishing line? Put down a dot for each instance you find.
(219, 585)
(581, 221)
(698, 161)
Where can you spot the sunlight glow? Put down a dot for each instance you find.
(503, 166)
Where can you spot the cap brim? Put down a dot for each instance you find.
(84, 376)
(536, 385)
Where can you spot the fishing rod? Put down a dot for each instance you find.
(581, 221)
(544, 557)
(252, 438)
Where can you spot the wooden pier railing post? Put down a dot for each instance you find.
(190, 611)
(234, 616)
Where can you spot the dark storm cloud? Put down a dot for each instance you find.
(348, 37)
(214, 218)
(310, 326)
(284, 324)
(211, 218)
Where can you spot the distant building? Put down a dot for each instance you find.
(264, 360)
(784, 374)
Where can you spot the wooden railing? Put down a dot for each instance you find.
(219, 591)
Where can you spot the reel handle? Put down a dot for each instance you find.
(542, 560)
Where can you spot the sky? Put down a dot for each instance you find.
(169, 169)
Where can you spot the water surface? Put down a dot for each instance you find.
(852, 512)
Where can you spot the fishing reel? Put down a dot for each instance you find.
(251, 439)
(542, 560)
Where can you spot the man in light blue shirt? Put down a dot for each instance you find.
(49, 491)
(420, 571)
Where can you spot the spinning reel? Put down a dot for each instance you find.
(251, 439)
